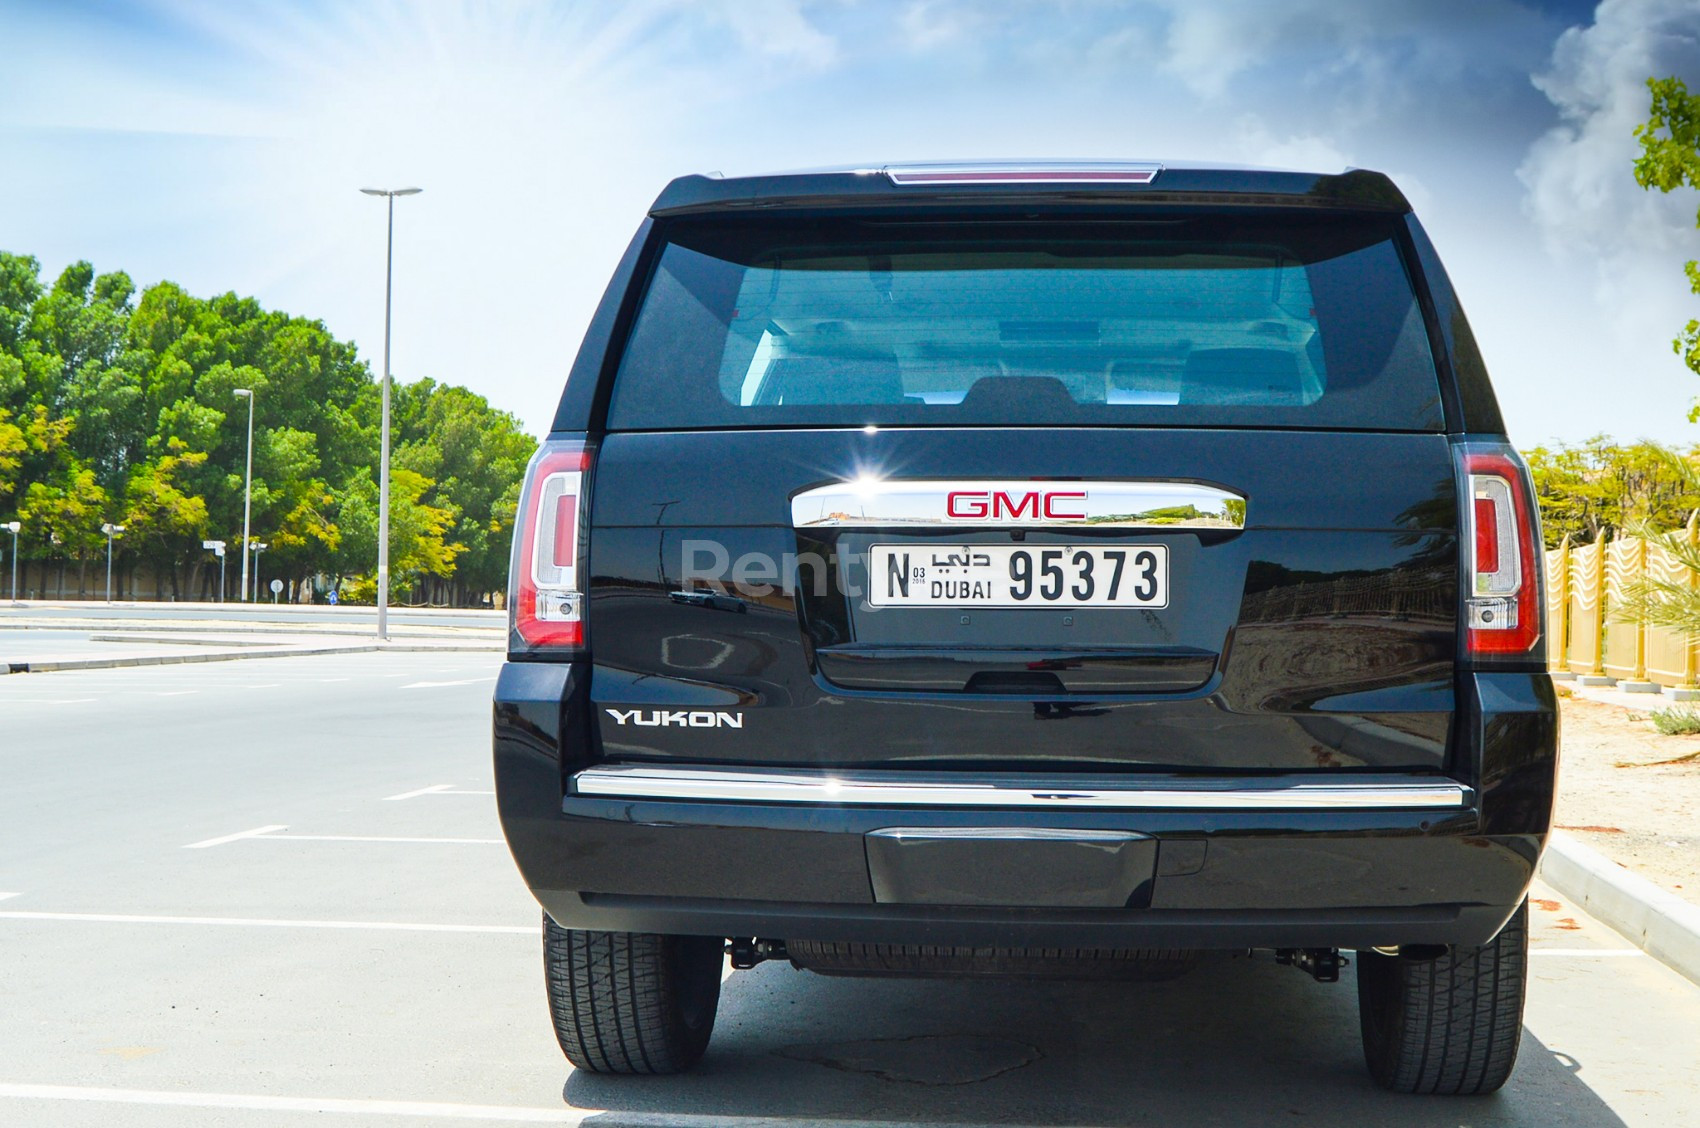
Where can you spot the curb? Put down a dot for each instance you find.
(55, 665)
(1658, 922)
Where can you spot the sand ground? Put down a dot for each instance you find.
(1631, 792)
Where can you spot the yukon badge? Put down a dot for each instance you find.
(661, 718)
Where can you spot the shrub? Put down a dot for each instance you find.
(1676, 722)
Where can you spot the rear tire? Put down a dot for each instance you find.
(1449, 1025)
(631, 1002)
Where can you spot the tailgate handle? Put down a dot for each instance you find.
(712, 600)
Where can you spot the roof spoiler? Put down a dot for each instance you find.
(1016, 182)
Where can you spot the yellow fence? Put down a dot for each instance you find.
(1586, 592)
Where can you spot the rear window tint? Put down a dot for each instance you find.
(1285, 320)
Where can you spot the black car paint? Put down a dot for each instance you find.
(1223, 879)
(1337, 600)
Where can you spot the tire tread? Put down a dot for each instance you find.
(617, 998)
(1450, 1025)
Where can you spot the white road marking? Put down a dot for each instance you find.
(440, 684)
(432, 790)
(435, 789)
(6, 896)
(18, 700)
(383, 838)
(255, 833)
(1603, 953)
(430, 1110)
(264, 685)
(335, 679)
(175, 692)
(263, 922)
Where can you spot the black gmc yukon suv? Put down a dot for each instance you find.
(1030, 570)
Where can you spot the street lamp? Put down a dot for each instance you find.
(216, 547)
(384, 454)
(247, 487)
(14, 527)
(112, 532)
(259, 547)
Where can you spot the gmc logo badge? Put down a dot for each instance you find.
(1003, 505)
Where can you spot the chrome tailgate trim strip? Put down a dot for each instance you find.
(985, 503)
(888, 789)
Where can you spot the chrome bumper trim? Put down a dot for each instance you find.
(897, 789)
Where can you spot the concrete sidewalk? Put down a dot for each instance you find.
(1659, 923)
(98, 635)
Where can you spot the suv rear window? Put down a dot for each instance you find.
(1290, 320)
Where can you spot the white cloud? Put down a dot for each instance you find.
(941, 24)
(778, 28)
(1581, 190)
(1370, 46)
(1303, 152)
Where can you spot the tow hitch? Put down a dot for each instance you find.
(1323, 964)
(748, 951)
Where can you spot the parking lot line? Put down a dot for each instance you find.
(441, 684)
(260, 1102)
(435, 787)
(5, 896)
(266, 922)
(255, 833)
(383, 838)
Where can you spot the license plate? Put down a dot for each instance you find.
(1008, 575)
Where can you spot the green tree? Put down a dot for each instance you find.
(1670, 159)
(1598, 485)
(12, 448)
(162, 524)
(64, 515)
(418, 548)
(118, 406)
(476, 457)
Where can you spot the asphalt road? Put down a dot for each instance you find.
(255, 894)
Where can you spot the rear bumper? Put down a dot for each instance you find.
(1448, 865)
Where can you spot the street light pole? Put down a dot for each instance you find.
(111, 531)
(247, 486)
(13, 527)
(259, 547)
(384, 452)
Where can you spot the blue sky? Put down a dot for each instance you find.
(221, 145)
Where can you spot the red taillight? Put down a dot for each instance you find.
(1487, 544)
(545, 590)
(1503, 582)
